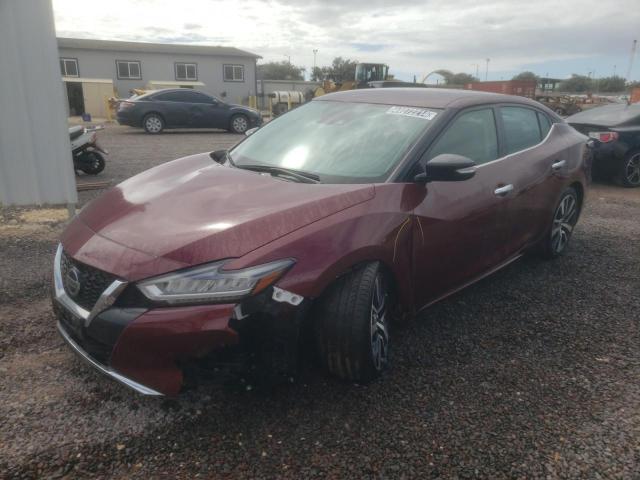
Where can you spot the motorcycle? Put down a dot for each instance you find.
(88, 155)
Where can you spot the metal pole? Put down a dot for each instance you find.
(486, 73)
(315, 52)
(634, 46)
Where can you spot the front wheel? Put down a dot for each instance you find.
(239, 124)
(92, 163)
(352, 326)
(565, 217)
(628, 174)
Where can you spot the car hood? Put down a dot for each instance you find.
(242, 108)
(194, 210)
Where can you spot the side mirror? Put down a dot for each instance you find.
(251, 131)
(219, 156)
(447, 167)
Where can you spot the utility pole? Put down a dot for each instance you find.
(486, 72)
(313, 72)
(477, 65)
(288, 58)
(614, 70)
(631, 59)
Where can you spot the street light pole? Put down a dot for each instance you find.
(477, 65)
(486, 73)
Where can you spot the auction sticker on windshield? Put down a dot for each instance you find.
(412, 112)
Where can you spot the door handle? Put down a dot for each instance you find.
(558, 165)
(503, 191)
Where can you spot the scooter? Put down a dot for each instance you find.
(88, 156)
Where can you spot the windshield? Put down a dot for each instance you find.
(370, 72)
(337, 141)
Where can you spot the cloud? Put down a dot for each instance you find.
(412, 38)
(367, 47)
(192, 26)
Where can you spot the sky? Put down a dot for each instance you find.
(554, 37)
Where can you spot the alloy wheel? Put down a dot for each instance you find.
(153, 124)
(632, 170)
(240, 124)
(379, 332)
(564, 220)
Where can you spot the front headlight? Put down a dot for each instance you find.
(210, 283)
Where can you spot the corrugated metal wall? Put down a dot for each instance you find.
(35, 158)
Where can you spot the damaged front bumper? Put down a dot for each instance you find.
(147, 348)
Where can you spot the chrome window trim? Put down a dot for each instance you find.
(553, 125)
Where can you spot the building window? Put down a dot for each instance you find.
(233, 73)
(69, 67)
(186, 71)
(128, 69)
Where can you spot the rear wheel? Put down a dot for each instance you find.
(153, 123)
(92, 163)
(352, 325)
(565, 217)
(628, 174)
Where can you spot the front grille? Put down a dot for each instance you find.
(73, 325)
(91, 282)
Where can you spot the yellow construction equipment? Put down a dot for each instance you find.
(365, 73)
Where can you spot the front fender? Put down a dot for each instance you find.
(328, 248)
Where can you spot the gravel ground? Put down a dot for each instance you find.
(532, 373)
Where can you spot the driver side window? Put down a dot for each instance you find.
(472, 134)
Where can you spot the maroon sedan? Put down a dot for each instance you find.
(327, 223)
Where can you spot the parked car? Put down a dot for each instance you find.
(354, 209)
(616, 129)
(185, 108)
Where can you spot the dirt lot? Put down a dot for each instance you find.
(532, 373)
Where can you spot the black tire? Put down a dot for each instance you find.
(92, 163)
(153, 123)
(565, 216)
(239, 124)
(350, 346)
(559, 111)
(628, 170)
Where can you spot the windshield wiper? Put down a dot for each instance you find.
(306, 177)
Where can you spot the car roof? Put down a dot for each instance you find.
(424, 97)
(608, 115)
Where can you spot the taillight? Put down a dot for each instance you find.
(125, 105)
(604, 137)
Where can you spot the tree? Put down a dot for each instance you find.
(280, 71)
(611, 84)
(461, 79)
(342, 69)
(577, 84)
(451, 78)
(526, 76)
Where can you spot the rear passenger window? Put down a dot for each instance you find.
(545, 124)
(472, 134)
(521, 129)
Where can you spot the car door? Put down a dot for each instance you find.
(173, 108)
(461, 227)
(533, 163)
(205, 111)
